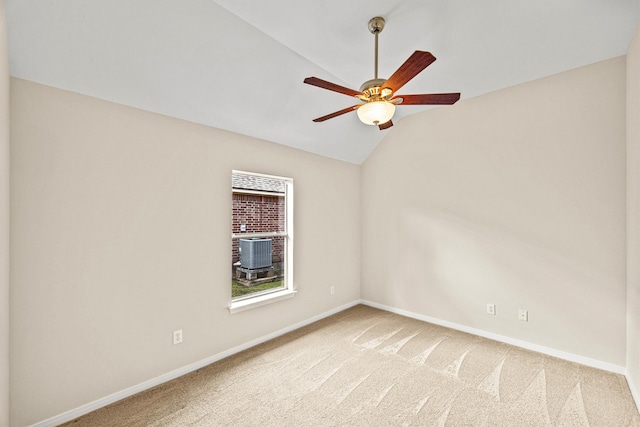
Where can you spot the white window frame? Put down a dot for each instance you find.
(288, 290)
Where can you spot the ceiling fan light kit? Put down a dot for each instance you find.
(376, 112)
(378, 94)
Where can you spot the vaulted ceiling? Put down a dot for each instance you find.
(239, 64)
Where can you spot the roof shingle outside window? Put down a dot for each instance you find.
(259, 183)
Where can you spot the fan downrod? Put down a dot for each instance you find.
(376, 25)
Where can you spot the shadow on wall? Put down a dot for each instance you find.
(450, 268)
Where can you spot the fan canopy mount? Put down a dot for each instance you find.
(376, 25)
(378, 94)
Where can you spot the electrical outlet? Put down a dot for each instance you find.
(523, 315)
(491, 309)
(177, 336)
(333, 290)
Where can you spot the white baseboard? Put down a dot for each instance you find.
(634, 391)
(507, 340)
(100, 403)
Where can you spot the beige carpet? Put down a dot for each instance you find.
(366, 367)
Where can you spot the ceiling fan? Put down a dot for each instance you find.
(379, 95)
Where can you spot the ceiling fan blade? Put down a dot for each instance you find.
(337, 113)
(385, 125)
(428, 99)
(331, 86)
(417, 62)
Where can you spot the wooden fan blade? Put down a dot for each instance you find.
(417, 62)
(429, 99)
(385, 125)
(331, 86)
(337, 113)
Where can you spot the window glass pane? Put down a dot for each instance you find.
(259, 261)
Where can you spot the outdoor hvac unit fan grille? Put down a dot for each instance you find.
(255, 253)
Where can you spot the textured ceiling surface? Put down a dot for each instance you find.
(239, 64)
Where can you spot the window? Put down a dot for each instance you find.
(261, 239)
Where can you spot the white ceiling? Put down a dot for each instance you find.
(239, 64)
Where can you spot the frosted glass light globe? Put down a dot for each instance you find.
(376, 112)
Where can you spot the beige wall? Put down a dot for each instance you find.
(4, 224)
(633, 212)
(121, 233)
(515, 198)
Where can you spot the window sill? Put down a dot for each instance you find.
(248, 304)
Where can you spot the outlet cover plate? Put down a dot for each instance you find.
(177, 336)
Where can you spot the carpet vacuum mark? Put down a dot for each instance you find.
(367, 367)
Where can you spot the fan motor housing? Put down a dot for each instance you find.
(373, 89)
